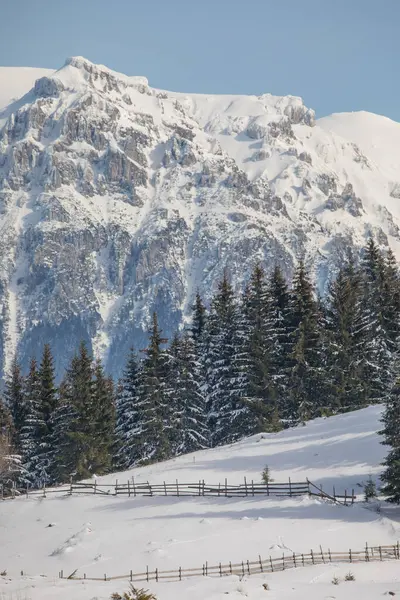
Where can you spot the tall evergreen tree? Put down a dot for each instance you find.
(187, 399)
(378, 370)
(230, 418)
(391, 433)
(154, 423)
(348, 339)
(32, 430)
(104, 419)
(15, 401)
(307, 374)
(127, 415)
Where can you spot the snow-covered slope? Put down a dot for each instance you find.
(105, 534)
(117, 199)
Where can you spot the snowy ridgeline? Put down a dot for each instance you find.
(100, 535)
(118, 199)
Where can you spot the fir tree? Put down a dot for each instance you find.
(306, 377)
(154, 423)
(348, 340)
(378, 372)
(184, 385)
(32, 431)
(104, 419)
(15, 401)
(47, 403)
(230, 418)
(391, 434)
(127, 415)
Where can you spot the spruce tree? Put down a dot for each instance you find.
(378, 369)
(127, 415)
(15, 401)
(104, 419)
(189, 429)
(31, 433)
(307, 376)
(230, 418)
(256, 346)
(348, 340)
(391, 434)
(154, 422)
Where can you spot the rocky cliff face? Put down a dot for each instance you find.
(117, 199)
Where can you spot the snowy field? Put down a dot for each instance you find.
(100, 535)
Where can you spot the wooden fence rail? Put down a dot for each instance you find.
(266, 565)
(179, 489)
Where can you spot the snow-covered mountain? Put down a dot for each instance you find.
(117, 199)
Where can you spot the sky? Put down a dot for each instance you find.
(338, 55)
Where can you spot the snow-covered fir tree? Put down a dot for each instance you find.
(15, 402)
(127, 415)
(154, 421)
(230, 417)
(187, 398)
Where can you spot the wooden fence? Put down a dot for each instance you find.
(269, 565)
(200, 488)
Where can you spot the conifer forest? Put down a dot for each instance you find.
(272, 357)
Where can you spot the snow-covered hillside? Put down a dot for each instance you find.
(117, 199)
(112, 535)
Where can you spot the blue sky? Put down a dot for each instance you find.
(339, 55)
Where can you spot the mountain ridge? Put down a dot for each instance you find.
(118, 199)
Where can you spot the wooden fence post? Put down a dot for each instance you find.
(294, 559)
(252, 487)
(165, 488)
(261, 565)
(345, 497)
(27, 489)
(206, 568)
(219, 489)
(226, 487)
(157, 575)
(180, 573)
(350, 557)
(334, 493)
(330, 555)
(147, 573)
(220, 570)
(312, 557)
(248, 567)
(283, 561)
(230, 567)
(95, 485)
(177, 488)
(129, 489)
(204, 485)
(131, 575)
(242, 569)
(134, 488)
(302, 559)
(199, 487)
(116, 487)
(245, 485)
(290, 487)
(271, 563)
(366, 552)
(322, 554)
(44, 491)
(352, 496)
(267, 488)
